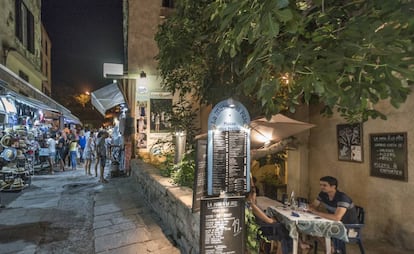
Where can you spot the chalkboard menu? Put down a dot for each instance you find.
(200, 188)
(389, 155)
(222, 225)
(229, 161)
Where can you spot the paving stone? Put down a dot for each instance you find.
(138, 248)
(111, 229)
(108, 216)
(101, 224)
(121, 220)
(113, 241)
(106, 209)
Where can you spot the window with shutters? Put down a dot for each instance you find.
(24, 25)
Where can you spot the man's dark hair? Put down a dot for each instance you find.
(330, 180)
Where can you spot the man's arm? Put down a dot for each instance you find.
(315, 204)
(337, 216)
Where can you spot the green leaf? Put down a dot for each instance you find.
(273, 26)
(282, 3)
(284, 15)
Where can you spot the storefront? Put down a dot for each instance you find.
(107, 98)
(26, 117)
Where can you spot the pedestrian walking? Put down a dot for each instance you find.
(101, 153)
(88, 153)
(62, 149)
(82, 144)
(73, 152)
(51, 144)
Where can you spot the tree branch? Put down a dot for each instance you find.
(275, 148)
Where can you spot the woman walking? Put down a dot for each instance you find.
(88, 154)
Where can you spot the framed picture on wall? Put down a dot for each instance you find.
(349, 138)
(141, 124)
(160, 115)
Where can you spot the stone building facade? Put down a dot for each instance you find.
(21, 39)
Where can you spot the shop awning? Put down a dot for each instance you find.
(71, 119)
(107, 97)
(30, 101)
(7, 106)
(14, 87)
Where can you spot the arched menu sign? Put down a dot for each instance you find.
(228, 160)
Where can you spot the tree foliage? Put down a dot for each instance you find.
(274, 55)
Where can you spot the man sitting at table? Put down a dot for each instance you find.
(338, 205)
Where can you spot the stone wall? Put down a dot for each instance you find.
(171, 203)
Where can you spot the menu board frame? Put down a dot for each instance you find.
(228, 148)
(389, 149)
(200, 174)
(222, 225)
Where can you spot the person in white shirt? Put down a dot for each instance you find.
(51, 144)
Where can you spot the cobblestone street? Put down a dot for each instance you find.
(69, 212)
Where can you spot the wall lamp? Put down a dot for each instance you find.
(142, 74)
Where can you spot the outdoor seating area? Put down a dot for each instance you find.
(300, 223)
(354, 233)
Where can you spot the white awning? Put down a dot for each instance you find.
(71, 119)
(29, 101)
(7, 106)
(107, 97)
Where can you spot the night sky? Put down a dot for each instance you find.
(84, 35)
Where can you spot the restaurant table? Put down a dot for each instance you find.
(265, 202)
(309, 224)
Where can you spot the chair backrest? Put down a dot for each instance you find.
(361, 214)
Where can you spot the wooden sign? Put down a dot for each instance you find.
(389, 155)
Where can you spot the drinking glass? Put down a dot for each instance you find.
(305, 206)
(286, 202)
(294, 204)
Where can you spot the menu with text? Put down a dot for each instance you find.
(229, 161)
(389, 155)
(222, 225)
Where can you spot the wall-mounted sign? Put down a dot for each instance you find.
(389, 155)
(222, 225)
(228, 149)
(349, 138)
